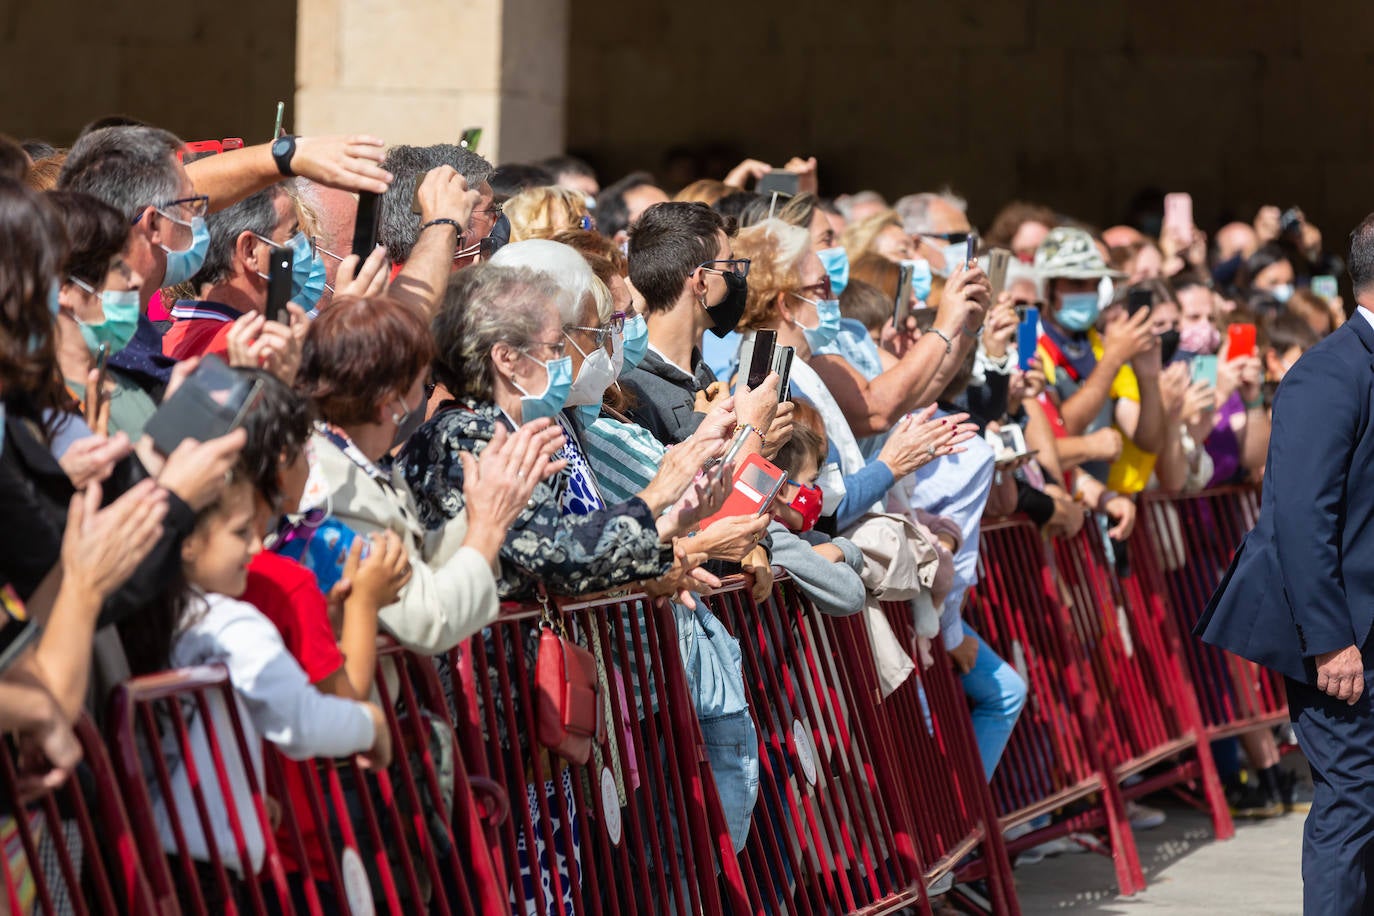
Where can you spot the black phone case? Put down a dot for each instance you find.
(761, 363)
(365, 226)
(279, 284)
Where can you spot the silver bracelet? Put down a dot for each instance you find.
(949, 344)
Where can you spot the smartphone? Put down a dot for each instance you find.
(281, 111)
(779, 180)
(998, 259)
(279, 284)
(102, 359)
(1178, 214)
(782, 365)
(757, 363)
(1138, 299)
(1240, 342)
(212, 402)
(970, 250)
(1324, 285)
(901, 302)
(365, 226)
(757, 482)
(470, 138)
(1168, 346)
(1027, 337)
(1205, 369)
(741, 435)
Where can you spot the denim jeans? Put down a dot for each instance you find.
(998, 695)
(715, 679)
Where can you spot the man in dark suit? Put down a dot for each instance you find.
(1299, 596)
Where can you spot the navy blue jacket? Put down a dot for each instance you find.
(1302, 583)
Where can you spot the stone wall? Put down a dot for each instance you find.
(1078, 103)
(203, 70)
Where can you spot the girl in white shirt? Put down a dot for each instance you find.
(275, 698)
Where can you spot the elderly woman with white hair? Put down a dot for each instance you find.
(512, 344)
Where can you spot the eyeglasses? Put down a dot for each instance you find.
(82, 284)
(737, 266)
(197, 205)
(314, 245)
(1028, 303)
(821, 290)
(951, 237)
(494, 208)
(615, 325)
(559, 348)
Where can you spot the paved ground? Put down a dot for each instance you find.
(1189, 874)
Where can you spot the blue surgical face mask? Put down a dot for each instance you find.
(921, 278)
(828, 325)
(183, 265)
(636, 342)
(555, 395)
(309, 297)
(54, 298)
(588, 413)
(836, 263)
(1078, 311)
(1283, 292)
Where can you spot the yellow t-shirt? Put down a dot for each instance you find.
(1131, 472)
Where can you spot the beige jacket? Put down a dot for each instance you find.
(448, 597)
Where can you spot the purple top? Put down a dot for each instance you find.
(1223, 445)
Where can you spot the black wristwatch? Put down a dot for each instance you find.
(283, 148)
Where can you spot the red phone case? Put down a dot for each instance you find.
(744, 498)
(1240, 341)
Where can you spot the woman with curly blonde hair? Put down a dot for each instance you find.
(541, 213)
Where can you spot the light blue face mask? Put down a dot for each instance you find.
(836, 263)
(1282, 293)
(828, 313)
(921, 278)
(636, 342)
(307, 272)
(953, 253)
(555, 394)
(121, 310)
(1078, 311)
(589, 413)
(54, 298)
(183, 265)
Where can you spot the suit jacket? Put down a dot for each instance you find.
(447, 599)
(1302, 582)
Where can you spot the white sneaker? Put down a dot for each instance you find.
(1143, 817)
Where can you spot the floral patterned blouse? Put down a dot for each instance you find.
(570, 554)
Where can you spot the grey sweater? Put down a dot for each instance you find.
(835, 588)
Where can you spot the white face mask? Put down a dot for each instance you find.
(596, 375)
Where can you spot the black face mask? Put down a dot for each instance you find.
(725, 315)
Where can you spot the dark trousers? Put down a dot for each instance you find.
(1338, 840)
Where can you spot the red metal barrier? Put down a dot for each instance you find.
(347, 839)
(1190, 540)
(71, 850)
(934, 760)
(1056, 759)
(824, 817)
(630, 831)
(1151, 717)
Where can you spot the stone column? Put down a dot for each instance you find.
(422, 71)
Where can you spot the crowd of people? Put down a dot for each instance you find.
(532, 387)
